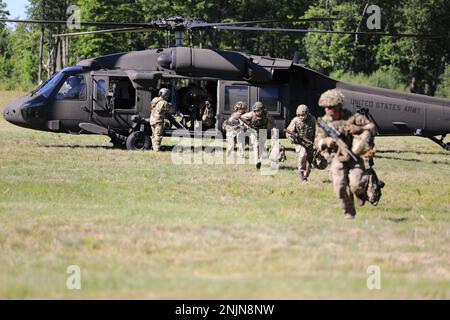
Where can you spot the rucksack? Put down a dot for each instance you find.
(373, 187)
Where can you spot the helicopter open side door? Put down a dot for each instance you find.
(274, 97)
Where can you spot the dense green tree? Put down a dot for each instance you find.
(421, 61)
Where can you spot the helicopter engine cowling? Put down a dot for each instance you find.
(211, 63)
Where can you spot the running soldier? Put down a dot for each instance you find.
(301, 132)
(348, 173)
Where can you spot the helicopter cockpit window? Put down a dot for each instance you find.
(269, 96)
(49, 87)
(234, 94)
(73, 89)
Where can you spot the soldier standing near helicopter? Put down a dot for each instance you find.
(347, 165)
(158, 110)
(301, 132)
(257, 121)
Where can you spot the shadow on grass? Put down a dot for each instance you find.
(396, 220)
(415, 152)
(76, 146)
(413, 160)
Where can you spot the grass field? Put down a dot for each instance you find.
(139, 226)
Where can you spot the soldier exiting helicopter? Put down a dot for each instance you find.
(193, 99)
(301, 132)
(257, 121)
(347, 150)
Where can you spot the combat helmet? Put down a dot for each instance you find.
(302, 109)
(258, 106)
(164, 93)
(240, 105)
(331, 98)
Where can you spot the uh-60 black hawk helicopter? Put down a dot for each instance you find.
(111, 94)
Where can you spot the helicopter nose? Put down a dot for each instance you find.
(13, 115)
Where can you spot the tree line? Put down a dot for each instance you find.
(419, 65)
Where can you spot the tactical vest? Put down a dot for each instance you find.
(259, 122)
(306, 129)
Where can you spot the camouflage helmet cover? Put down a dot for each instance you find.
(302, 109)
(331, 98)
(240, 105)
(258, 106)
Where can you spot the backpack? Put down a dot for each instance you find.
(373, 187)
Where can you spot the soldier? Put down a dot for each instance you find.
(349, 176)
(208, 117)
(256, 121)
(159, 108)
(301, 132)
(234, 129)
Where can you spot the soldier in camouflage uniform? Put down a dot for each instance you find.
(158, 110)
(301, 132)
(234, 129)
(349, 176)
(256, 121)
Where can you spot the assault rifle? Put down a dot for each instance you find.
(333, 133)
(299, 140)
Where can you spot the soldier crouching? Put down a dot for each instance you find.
(357, 132)
(301, 132)
(234, 130)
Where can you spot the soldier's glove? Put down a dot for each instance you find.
(352, 129)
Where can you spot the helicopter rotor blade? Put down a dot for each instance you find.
(87, 24)
(123, 30)
(404, 35)
(209, 25)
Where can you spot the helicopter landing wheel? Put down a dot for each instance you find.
(138, 141)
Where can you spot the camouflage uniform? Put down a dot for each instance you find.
(207, 112)
(159, 108)
(304, 127)
(256, 123)
(234, 129)
(349, 177)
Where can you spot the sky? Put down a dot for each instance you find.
(16, 8)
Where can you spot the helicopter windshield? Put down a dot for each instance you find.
(47, 89)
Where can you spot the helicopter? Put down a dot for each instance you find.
(111, 95)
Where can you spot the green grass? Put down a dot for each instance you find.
(141, 227)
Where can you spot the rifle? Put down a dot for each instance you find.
(299, 140)
(333, 133)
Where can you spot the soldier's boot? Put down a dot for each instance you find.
(301, 176)
(349, 211)
(258, 165)
(349, 216)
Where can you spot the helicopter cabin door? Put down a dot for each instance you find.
(274, 97)
(114, 101)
